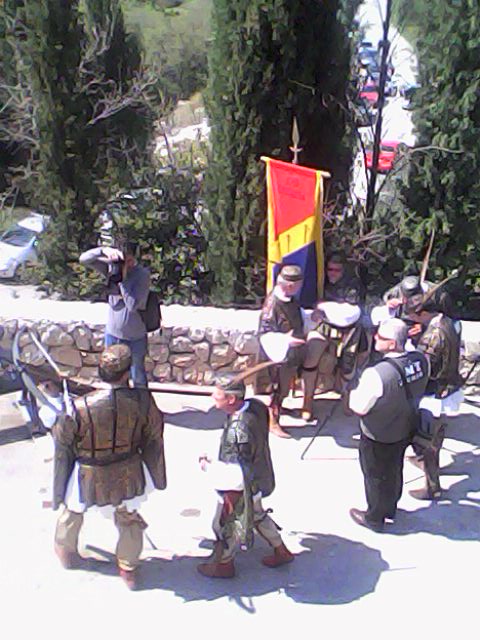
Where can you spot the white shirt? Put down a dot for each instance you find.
(369, 390)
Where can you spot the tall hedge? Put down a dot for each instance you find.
(270, 60)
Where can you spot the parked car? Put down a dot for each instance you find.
(389, 150)
(18, 243)
(369, 93)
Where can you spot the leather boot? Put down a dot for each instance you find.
(426, 494)
(217, 569)
(129, 578)
(218, 549)
(417, 462)
(68, 559)
(281, 555)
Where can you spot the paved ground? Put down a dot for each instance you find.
(422, 572)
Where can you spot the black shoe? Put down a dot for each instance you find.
(360, 518)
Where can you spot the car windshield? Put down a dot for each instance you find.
(385, 147)
(18, 236)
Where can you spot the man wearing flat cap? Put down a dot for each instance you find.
(109, 454)
(241, 477)
(387, 399)
(282, 338)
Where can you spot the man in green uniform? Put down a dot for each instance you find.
(440, 342)
(242, 476)
(281, 329)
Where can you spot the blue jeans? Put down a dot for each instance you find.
(138, 348)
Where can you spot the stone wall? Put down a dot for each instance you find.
(179, 354)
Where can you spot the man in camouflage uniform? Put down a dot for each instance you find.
(331, 354)
(281, 320)
(242, 476)
(106, 455)
(440, 342)
(410, 291)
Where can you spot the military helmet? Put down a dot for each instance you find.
(291, 273)
(114, 362)
(231, 384)
(411, 286)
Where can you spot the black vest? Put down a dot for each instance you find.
(392, 418)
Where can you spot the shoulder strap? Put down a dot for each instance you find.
(401, 373)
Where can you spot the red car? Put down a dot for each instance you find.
(370, 93)
(387, 156)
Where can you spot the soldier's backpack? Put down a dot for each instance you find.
(152, 315)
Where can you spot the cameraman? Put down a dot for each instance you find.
(128, 284)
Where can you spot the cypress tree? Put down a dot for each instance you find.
(444, 184)
(270, 60)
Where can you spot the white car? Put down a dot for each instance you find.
(17, 244)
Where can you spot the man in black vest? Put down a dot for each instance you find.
(241, 476)
(387, 400)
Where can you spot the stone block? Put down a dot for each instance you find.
(30, 354)
(196, 335)
(246, 344)
(202, 351)
(180, 331)
(162, 372)
(158, 352)
(182, 359)
(98, 341)
(181, 344)
(82, 336)
(66, 356)
(160, 337)
(177, 375)
(149, 364)
(222, 354)
(243, 362)
(217, 336)
(56, 336)
(90, 359)
(88, 373)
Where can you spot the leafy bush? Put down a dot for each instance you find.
(165, 219)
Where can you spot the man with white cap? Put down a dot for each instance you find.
(387, 399)
(241, 477)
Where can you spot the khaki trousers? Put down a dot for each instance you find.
(264, 525)
(130, 535)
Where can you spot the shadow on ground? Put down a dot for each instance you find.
(194, 418)
(328, 570)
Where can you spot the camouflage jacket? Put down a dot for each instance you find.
(441, 299)
(347, 289)
(245, 442)
(112, 432)
(441, 344)
(280, 315)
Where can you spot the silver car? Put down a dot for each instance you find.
(18, 243)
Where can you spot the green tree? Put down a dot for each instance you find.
(270, 60)
(443, 185)
(91, 121)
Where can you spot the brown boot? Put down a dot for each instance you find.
(426, 494)
(217, 569)
(417, 462)
(129, 578)
(281, 555)
(69, 559)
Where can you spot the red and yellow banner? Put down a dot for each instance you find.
(295, 204)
